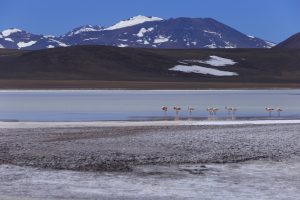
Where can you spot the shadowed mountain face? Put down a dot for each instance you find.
(137, 64)
(141, 31)
(292, 42)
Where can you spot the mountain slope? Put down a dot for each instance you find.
(141, 31)
(292, 42)
(153, 65)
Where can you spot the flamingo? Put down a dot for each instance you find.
(165, 110)
(279, 110)
(215, 110)
(231, 111)
(177, 109)
(190, 109)
(270, 110)
(210, 112)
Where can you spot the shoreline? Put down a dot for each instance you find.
(19, 84)
(27, 124)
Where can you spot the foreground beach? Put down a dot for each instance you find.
(121, 146)
(150, 160)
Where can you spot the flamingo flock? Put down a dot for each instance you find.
(212, 112)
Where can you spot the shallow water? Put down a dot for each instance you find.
(247, 181)
(89, 105)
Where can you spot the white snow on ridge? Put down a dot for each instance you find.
(59, 43)
(143, 31)
(10, 31)
(202, 70)
(48, 36)
(269, 44)
(9, 39)
(211, 46)
(1, 35)
(50, 46)
(133, 21)
(161, 39)
(213, 33)
(122, 45)
(251, 36)
(219, 61)
(1, 46)
(26, 44)
(88, 39)
(215, 61)
(88, 28)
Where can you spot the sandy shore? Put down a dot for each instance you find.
(120, 148)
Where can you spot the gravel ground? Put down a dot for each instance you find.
(122, 148)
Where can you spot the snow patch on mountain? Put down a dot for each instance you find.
(10, 31)
(122, 45)
(133, 21)
(229, 45)
(9, 39)
(211, 46)
(161, 39)
(84, 29)
(215, 61)
(26, 44)
(269, 44)
(1, 47)
(88, 39)
(61, 44)
(202, 70)
(213, 33)
(50, 47)
(48, 36)
(143, 31)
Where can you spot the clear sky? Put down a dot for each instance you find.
(274, 20)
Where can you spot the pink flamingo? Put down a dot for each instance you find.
(177, 110)
(190, 109)
(215, 110)
(231, 111)
(210, 113)
(165, 110)
(269, 110)
(279, 110)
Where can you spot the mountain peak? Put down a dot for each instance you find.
(85, 28)
(292, 42)
(139, 19)
(10, 31)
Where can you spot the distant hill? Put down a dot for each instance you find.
(143, 32)
(292, 42)
(114, 64)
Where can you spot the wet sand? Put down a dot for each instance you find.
(123, 148)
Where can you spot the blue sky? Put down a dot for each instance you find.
(274, 20)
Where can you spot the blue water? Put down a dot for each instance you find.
(90, 105)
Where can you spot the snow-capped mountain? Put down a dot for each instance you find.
(133, 21)
(141, 31)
